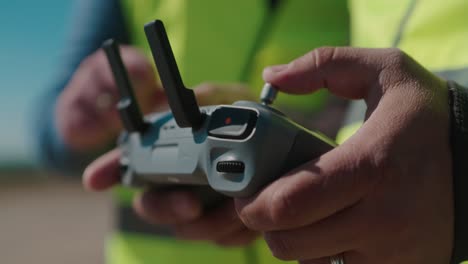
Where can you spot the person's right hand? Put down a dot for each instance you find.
(85, 114)
(383, 196)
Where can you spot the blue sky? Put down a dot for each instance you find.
(32, 34)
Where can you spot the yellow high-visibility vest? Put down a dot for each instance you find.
(225, 42)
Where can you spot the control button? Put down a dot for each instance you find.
(230, 166)
(232, 123)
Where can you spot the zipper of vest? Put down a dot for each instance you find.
(262, 35)
(357, 109)
(404, 23)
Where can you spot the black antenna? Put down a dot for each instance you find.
(181, 100)
(128, 106)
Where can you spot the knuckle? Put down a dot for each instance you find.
(248, 218)
(280, 246)
(395, 58)
(106, 85)
(314, 59)
(282, 207)
(253, 216)
(322, 55)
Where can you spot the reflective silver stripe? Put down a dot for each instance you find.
(356, 111)
(458, 75)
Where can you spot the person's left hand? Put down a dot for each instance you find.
(383, 196)
(181, 209)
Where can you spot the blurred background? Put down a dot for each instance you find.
(44, 218)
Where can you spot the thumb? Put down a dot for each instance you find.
(329, 184)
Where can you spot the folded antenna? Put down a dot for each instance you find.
(181, 100)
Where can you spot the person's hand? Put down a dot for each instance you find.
(181, 210)
(86, 116)
(383, 196)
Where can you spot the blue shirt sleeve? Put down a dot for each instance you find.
(92, 23)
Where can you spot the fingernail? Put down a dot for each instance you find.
(185, 207)
(276, 68)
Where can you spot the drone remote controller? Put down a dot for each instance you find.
(235, 149)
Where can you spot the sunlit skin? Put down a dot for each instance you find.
(385, 195)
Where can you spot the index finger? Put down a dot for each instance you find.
(104, 172)
(348, 72)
